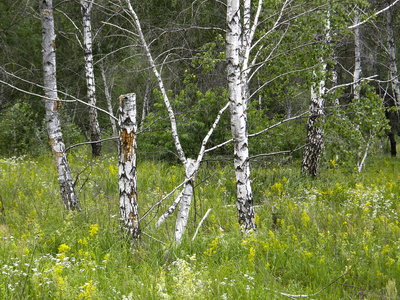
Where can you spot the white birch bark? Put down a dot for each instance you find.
(394, 76)
(65, 180)
(167, 103)
(315, 132)
(191, 166)
(109, 100)
(357, 56)
(362, 163)
(86, 7)
(145, 108)
(237, 100)
(127, 173)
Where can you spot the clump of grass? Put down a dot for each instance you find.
(310, 232)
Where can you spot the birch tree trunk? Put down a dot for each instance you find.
(315, 131)
(65, 180)
(391, 48)
(86, 7)
(191, 166)
(127, 173)
(392, 55)
(357, 56)
(108, 99)
(237, 100)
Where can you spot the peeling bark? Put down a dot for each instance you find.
(65, 180)
(127, 173)
(95, 135)
(315, 131)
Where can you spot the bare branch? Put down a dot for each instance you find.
(92, 142)
(279, 76)
(47, 98)
(351, 83)
(276, 153)
(257, 133)
(171, 114)
(374, 15)
(157, 240)
(162, 200)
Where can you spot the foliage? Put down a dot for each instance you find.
(310, 232)
(350, 129)
(20, 134)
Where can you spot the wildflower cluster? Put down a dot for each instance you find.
(186, 280)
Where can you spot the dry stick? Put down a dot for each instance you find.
(201, 222)
(312, 295)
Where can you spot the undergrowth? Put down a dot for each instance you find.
(340, 229)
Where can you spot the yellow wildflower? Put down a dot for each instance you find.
(94, 228)
(63, 248)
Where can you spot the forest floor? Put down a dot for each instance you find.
(336, 236)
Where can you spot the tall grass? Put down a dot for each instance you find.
(342, 227)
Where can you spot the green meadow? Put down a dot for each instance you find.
(333, 237)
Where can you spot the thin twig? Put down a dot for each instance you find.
(157, 240)
(201, 222)
(91, 142)
(162, 200)
(374, 15)
(293, 296)
(276, 153)
(29, 269)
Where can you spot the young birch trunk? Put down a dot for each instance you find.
(357, 55)
(393, 76)
(127, 174)
(191, 166)
(315, 131)
(145, 109)
(109, 100)
(392, 55)
(90, 82)
(238, 117)
(65, 180)
(191, 169)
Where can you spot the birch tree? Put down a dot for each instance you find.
(393, 76)
(191, 165)
(52, 104)
(315, 131)
(86, 7)
(237, 56)
(357, 56)
(127, 173)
